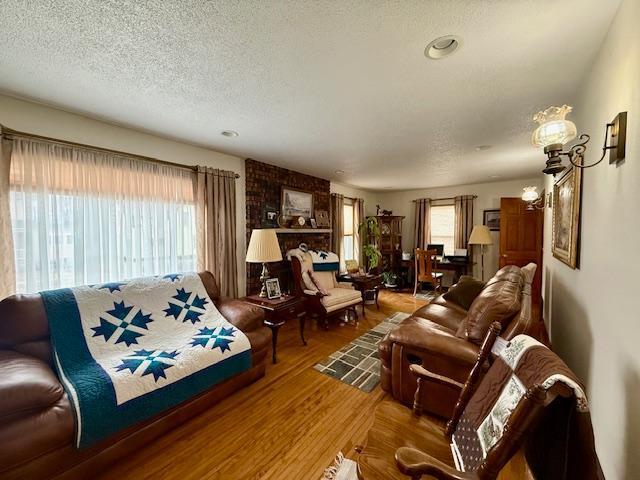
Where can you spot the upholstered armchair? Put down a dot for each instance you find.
(325, 296)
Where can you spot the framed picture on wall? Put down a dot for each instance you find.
(296, 203)
(566, 217)
(491, 218)
(322, 219)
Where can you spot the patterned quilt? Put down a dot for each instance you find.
(126, 351)
(565, 434)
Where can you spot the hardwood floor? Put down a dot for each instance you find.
(288, 425)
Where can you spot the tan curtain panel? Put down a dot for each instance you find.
(422, 235)
(7, 260)
(358, 218)
(337, 234)
(86, 171)
(216, 224)
(463, 221)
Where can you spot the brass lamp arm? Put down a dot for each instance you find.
(577, 151)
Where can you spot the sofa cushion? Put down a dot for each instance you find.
(26, 384)
(339, 296)
(465, 291)
(499, 301)
(444, 315)
(243, 315)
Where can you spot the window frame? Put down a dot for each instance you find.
(348, 204)
(452, 237)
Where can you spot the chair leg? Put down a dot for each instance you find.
(415, 287)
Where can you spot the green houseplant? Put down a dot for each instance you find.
(390, 279)
(370, 231)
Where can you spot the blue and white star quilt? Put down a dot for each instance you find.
(126, 351)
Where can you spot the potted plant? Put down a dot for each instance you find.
(390, 279)
(370, 231)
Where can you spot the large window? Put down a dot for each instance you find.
(83, 217)
(442, 225)
(349, 253)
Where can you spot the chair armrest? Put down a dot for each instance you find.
(346, 285)
(425, 374)
(312, 293)
(243, 315)
(413, 462)
(425, 336)
(27, 384)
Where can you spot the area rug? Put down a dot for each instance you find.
(357, 363)
(428, 295)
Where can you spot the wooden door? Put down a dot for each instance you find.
(521, 232)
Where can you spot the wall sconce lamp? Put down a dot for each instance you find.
(554, 131)
(533, 199)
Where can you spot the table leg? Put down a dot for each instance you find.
(274, 341)
(377, 290)
(302, 321)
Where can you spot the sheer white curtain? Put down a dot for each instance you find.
(83, 216)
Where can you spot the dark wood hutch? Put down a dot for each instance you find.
(390, 242)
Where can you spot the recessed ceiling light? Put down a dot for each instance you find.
(495, 176)
(442, 47)
(229, 133)
(339, 172)
(482, 148)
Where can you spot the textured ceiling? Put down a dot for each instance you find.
(311, 85)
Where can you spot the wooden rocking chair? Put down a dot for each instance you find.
(401, 443)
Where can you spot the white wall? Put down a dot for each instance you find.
(43, 120)
(489, 194)
(593, 313)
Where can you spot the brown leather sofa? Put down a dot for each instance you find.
(445, 338)
(36, 419)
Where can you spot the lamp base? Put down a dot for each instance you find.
(264, 276)
(554, 162)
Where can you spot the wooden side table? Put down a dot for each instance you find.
(364, 283)
(277, 312)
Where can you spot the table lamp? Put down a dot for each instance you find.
(480, 235)
(263, 248)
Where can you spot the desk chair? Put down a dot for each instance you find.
(426, 270)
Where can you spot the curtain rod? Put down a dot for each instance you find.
(11, 134)
(446, 198)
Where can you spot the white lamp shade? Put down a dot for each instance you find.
(554, 128)
(530, 194)
(480, 235)
(263, 246)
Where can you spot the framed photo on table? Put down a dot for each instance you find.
(273, 288)
(296, 203)
(567, 199)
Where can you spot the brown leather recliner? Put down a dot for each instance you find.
(36, 419)
(445, 338)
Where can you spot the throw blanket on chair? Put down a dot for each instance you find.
(127, 351)
(566, 434)
(322, 261)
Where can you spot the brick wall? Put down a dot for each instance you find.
(263, 186)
